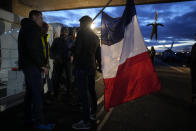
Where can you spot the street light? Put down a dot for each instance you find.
(93, 26)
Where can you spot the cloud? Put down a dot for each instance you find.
(179, 20)
(182, 27)
(70, 17)
(54, 19)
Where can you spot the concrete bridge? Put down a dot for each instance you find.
(22, 7)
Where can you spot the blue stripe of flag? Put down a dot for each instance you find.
(112, 29)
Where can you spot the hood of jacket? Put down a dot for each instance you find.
(27, 22)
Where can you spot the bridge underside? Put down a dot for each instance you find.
(22, 7)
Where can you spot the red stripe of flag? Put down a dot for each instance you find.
(135, 78)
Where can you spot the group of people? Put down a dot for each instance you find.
(34, 54)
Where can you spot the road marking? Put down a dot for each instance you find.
(100, 112)
(98, 78)
(100, 100)
(102, 108)
(107, 116)
(172, 67)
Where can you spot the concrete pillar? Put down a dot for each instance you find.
(20, 9)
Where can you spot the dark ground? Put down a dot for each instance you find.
(167, 110)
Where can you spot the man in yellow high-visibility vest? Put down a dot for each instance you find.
(46, 52)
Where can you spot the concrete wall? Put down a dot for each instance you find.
(13, 88)
(12, 85)
(20, 9)
(12, 82)
(9, 28)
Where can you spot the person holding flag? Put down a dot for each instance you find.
(85, 49)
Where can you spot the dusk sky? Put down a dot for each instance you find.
(179, 20)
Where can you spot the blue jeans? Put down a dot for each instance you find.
(33, 96)
(85, 82)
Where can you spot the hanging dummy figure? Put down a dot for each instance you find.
(155, 27)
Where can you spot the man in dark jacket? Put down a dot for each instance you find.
(31, 62)
(85, 68)
(60, 52)
(193, 71)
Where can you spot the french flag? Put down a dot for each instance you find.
(128, 71)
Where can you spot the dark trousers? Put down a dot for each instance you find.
(68, 73)
(85, 82)
(193, 79)
(33, 100)
(57, 76)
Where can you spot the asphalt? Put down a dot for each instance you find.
(167, 110)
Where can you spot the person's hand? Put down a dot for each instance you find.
(46, 70)
(72, 58)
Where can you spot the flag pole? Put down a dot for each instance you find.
(102, 9)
